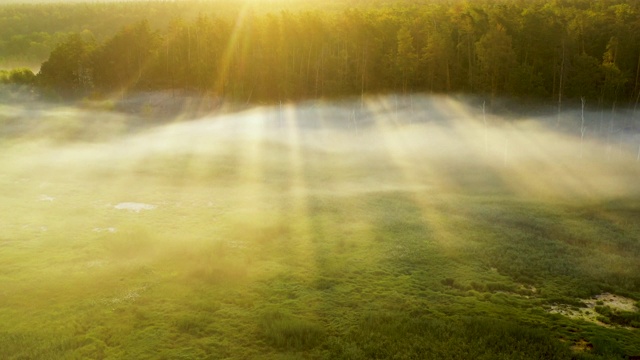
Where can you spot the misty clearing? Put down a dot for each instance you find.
(388, 226)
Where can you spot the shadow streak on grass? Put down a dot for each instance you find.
(557, 248)
(400, 335)
(288, 332)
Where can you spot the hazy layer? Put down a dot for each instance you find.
(433, 144)
(121, 234)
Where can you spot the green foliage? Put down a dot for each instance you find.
(524, 49)
(495, 54)
(68, 68)
(19, 76)
(124, 58)
(31, 31)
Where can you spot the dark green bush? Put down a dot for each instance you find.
(21, 76)
(493, 287)
(448, 282)
(399, 336)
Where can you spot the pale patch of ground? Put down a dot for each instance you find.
(108, 229)
(133, 206)
(589, 313)
(528, 288)
(614, 302)
(128, 296)
(95, 264)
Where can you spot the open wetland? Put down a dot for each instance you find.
(391, 227)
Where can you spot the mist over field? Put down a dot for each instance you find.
(416, 226)
(335, 180)
(427, 143)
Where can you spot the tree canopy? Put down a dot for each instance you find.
(535, 49)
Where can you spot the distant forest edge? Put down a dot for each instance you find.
(549, 50)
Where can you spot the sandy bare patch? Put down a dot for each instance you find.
(589, 313)
(613, 301)
(128, 296)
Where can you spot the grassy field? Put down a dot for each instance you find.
(317, 231)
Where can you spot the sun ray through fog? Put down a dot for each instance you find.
(342, 179)
(231, 51)
(298, 192)
(396, 143)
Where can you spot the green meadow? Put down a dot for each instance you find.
(316, 231)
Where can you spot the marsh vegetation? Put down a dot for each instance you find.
(323, 230)
(290, 179)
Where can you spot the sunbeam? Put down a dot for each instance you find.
(298, 216)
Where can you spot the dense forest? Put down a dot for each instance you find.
(31, 29)
(550, 50)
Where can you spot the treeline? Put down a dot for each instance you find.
(30, 30)
(537, 49)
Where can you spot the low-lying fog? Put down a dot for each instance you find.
(435, 144)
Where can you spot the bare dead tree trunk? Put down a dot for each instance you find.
(560, 83)
(308, 70)
(364, 68)
(484, 120)
(609, 145)
(319, 65)
(470, 59)
(582, 128)
(173, 92)
(635, 106)
(637, 86)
